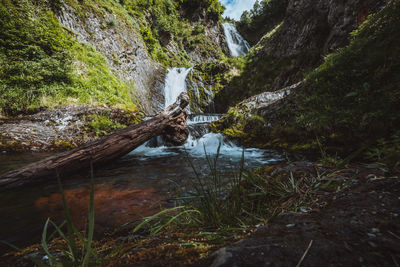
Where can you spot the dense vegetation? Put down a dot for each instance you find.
(39, 63)
(355, 94)
(178, 23)
(43, 65)
(260, 20)
(348, 104)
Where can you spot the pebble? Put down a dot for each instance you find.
(395, 214)
(375, 230)
(371, 235)
(290, 225)
(334, 198)
(373, 212)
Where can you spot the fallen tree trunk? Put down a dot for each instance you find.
(171, 122)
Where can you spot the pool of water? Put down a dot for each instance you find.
(133, 186)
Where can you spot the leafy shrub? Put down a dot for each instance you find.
(33, 57)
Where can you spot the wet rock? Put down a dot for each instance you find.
(222, 256)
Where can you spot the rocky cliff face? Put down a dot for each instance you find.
(332, 108)
(122, 43)
(310, 30)
(124, 50)
(216, 34)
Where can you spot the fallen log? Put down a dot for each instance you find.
(171, 122)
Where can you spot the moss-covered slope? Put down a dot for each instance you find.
(309, 31)
(347, 104)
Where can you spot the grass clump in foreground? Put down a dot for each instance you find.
(221, 210)
(71, 247)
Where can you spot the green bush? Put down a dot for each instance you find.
(34, 60)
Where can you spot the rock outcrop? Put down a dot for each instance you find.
(309, 31)
(122, 45)
(312, 29)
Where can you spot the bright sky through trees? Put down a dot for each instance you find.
(235, 8)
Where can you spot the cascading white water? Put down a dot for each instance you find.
(175, 84)
(200, 139)
(203, 118)
(237, 45)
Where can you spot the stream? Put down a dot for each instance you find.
(135, 185)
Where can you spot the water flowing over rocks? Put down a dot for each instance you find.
(237, 45)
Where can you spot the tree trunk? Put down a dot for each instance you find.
(171, 122)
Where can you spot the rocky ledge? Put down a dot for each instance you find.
(357, 226)
(61, 129)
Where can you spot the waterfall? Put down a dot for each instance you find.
(175, 84)
(237, 45)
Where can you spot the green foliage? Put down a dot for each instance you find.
(33, 57)
(41, 65)
(256, 75)
(102, 124)
(94, 83)
(219, 203)
(261, 19)
(73, 238)
(193, 8)
(387, 153)
(170, 21)
(77, 249)
(206, 208)
(356, 91)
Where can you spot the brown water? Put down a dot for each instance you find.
(133, 186)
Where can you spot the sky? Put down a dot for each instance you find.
(235, 8)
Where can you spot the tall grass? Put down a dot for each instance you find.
(245, 198)
(78, 250)
(216, 202)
